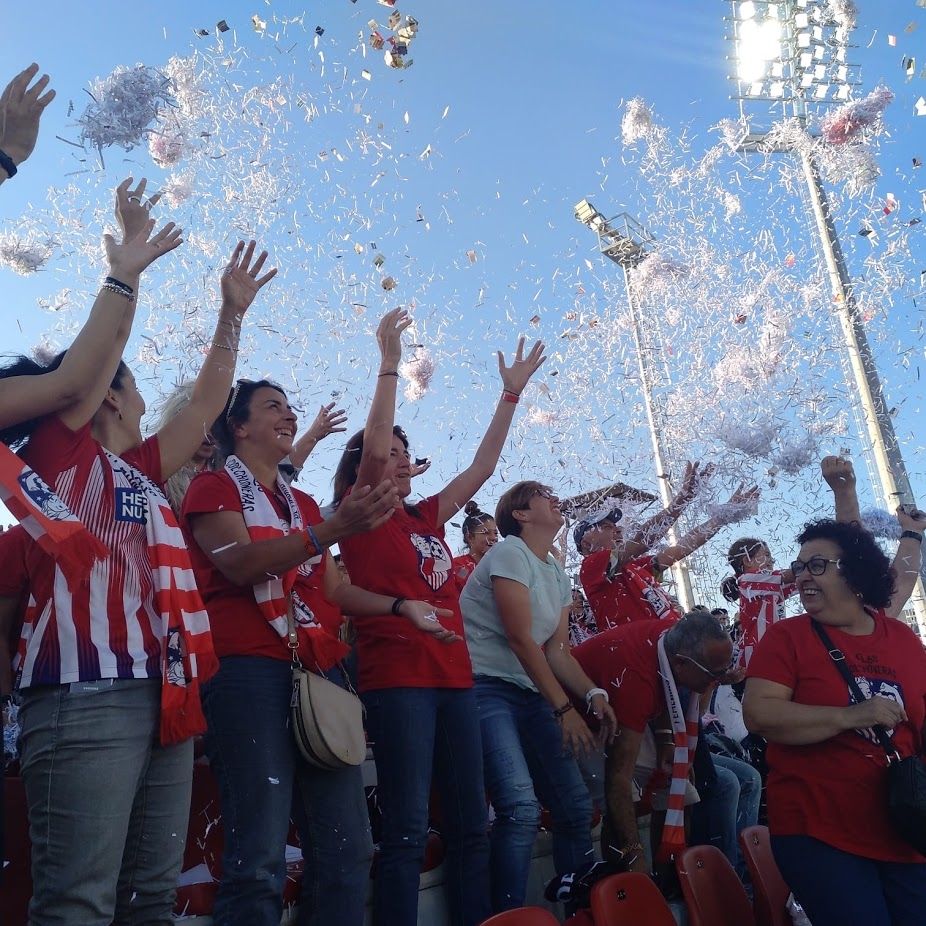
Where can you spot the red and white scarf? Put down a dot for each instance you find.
(186, 641)
(685, 734)
(48, 520)
(264, 523)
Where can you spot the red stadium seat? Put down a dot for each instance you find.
(628, 899)
(204, 842)
(16, 884)
(523, 916)
(769, 891)
(713, 892)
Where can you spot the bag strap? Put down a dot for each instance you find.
(839, 660)
(292, 642)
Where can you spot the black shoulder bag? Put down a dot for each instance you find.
(906, 777)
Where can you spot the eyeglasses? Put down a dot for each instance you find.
(544, 493)
(816, 565)
(716, 676)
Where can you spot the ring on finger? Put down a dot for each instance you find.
(134, 199)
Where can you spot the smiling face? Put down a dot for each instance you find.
(271, 423)
(827, 597)
(543, 510)
(700, 674)
(759, 559)
(482, 538)
(399, 469)
(605, 535)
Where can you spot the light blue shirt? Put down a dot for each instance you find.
(550, 591)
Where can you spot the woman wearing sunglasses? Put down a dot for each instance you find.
(827, 784)
(516, 614)
(480, 534)
(418, 686)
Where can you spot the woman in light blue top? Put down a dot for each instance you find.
(516, 616)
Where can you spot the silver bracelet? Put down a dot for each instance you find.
(118, 290)
(591, 694)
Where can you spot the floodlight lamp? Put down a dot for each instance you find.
(842, 74)
(803, 40)
(819, 72)
(801, 20)
(777, 90)
(842, 93)
(747, 9)
(777, 69)
(585, 212)
(806, 80)
(820, 92)
(805, 60)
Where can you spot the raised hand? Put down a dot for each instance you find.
(416, 469)
(516, 376)
(138, 248)
(132, 212)
(911, 519)
(240, 280)
(838, 473)
(742, 504)
(389, 337)
(21, 108)
(366, 508)
(426, 618)
(327, 421)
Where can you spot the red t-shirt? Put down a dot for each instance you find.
(14, 576)
(239, 627)
(634, 594)
(463, 567)
(108, 626)
(762, 603)
(407, 558)
(624, 662)
(836, 790)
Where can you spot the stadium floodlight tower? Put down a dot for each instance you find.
(626, 242)
(791, 61)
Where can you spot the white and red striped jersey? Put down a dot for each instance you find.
(108, 626)
(762, 603)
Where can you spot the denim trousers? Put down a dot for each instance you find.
(263, 782)
(837, 888)
(731, 797)
(526, 766)
(420, 735)
(108, 805)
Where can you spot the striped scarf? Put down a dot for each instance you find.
(48, 520)
(685, 733)
(263, 523)
(186, 641)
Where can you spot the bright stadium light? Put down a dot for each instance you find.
(808, 68)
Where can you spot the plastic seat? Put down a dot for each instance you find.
(769, 891)
(16, 884)
(628, 899)
(522, 916)
(202, 855)
(713, 893)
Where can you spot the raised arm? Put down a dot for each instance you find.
(907, 560)
(653, 530)
(21, 108)
(327, 421)
(514, 378)
(241, 282)
(839, 475)
(91, 361)
(741, 505)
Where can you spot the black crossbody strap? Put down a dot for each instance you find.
(840, 660)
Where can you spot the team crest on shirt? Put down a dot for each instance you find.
(130, 505)
(434, 562)
(303, 615)
(42, 497)
(876, 687)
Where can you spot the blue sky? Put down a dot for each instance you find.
(509, 116)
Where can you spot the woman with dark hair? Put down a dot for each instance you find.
(479, 535)
(417, 687)
(827, 783)
(259, 551)
(516, 614)
(112, 664)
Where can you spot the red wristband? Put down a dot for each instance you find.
(512, 397)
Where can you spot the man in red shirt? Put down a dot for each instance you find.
(621, 578)
(624, 662)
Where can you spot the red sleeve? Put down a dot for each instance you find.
(775, 655)
(14, 576)
(207, 493)
(147, 459)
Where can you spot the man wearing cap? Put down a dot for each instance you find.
(621, 578)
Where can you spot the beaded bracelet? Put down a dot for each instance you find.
(565, 709)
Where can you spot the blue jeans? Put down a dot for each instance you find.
(108, 805)
(263, 780)
(525, 765)
(419, 734)
(727, 805)
(836, 888)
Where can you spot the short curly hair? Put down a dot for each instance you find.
(862, 563)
